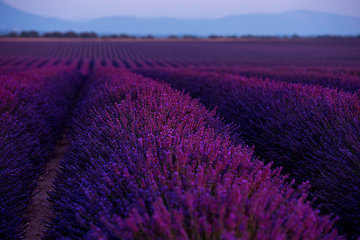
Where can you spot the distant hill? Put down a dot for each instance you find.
(13, 19)
(300, 22)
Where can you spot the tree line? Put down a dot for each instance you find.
(71, 34)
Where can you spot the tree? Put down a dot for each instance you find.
(70, 34)
(53, 35)
(173, 36)
(30, 34)
(13, 34)
(88, 35)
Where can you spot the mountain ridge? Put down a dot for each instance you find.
(300, 22)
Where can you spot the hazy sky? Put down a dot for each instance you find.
(87, 9)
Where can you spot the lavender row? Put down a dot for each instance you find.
(346, 79)
(291, 52)
(147, 162)
(33, 107)
(309, 130)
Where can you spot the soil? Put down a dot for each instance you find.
(40, 211)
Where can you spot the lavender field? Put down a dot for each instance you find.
(180, 139)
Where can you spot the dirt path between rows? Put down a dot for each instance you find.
(40, 210)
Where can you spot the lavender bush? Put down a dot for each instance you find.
(346, 79)
(309, 130)
(147, 162)
(33, 108)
